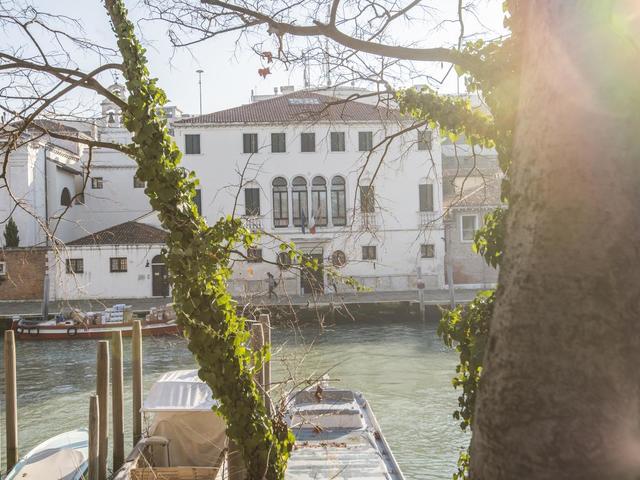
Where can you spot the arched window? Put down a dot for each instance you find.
(299, 201)
(338, 201)
(280, 202)
(65, 197)
(319, 201)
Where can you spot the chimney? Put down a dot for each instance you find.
(287, 89)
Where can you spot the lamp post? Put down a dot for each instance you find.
(200, 72)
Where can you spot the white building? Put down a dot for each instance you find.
(300, 158)
(297, 167)
(122, 261)
(43, 189)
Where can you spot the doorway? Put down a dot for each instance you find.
(312, 281)
(159, 277)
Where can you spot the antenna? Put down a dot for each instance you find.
(200, 72)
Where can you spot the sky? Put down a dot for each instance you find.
(230, 71)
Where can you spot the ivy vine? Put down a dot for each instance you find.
(198, 258)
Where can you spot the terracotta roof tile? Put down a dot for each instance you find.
(299, 106)
(128, 233)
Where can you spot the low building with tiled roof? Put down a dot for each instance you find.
(122, 261)
(128, 233)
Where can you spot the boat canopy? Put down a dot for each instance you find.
(179, 391)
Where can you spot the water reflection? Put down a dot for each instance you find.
(401, 367)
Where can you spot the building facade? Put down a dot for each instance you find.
(351, 184)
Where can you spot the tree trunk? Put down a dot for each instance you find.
(560, 396)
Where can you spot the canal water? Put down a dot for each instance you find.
(402, 368)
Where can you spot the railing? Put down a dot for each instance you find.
(369, 220)
(430, 219)
(255, 224)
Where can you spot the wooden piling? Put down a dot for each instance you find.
(11, 398)
(102, 390)
(117, 398)
(257, 342)
(136, 353)
(94, 434)
(265, 321)
(235, 462)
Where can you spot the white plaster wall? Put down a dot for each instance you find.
(399, 235)
(97, 281)
(117, 202)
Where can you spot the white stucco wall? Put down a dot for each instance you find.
(98, 281)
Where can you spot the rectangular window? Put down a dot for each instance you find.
(192, 144)
(252, 202)
(118, 264)
(365, 141)
(254, 255)
(197, 199)
(307, 142)
(426, 197)
(424, 140)
(469, 225)
(75, 265)
(96, 183)
(369, 252)
(278, 143)
(367, 199)
(249, 143)
(137, 183)
(428, 251)
(337, 142)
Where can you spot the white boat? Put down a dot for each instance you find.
(337, 436)
(63, 457)
(184, 438)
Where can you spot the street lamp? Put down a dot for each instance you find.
(200, 72)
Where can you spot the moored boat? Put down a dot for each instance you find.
(94, 325)
(63, 457)
(337, 436)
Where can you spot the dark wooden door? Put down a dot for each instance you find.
(159, 278)
(312, 281)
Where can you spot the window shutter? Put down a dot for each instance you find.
(252, 201)
(367, 198)
(426, 197)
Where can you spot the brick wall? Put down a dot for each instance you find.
(25, 273)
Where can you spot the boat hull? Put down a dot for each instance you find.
(91, 332)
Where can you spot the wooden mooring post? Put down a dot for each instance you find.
(102, 389)
(235, 462)
(94, 437)
(11, 399)
(117, 399)
(136, 353)
(265, 321)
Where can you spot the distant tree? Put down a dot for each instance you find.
(11, 236)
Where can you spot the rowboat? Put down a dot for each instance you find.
(337, 436)
(94, 325)
(63, 457)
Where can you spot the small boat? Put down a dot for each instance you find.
(185, 437)
(63, 457)
(337, 436)
(94, 325)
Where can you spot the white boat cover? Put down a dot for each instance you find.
(62, 457)
(179, 391)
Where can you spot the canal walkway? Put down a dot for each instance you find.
(142, 305)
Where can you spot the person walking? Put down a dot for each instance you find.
(272, 283)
